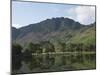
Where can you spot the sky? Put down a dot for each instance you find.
(25, 13)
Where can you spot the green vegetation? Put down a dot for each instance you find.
(53, 45)
(16, 56)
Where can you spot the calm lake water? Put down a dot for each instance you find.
(57, 62)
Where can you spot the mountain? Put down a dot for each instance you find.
(15, 33)
(63, 29)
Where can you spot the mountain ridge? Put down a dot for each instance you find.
(48, 29)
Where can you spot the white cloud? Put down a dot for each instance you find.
(16, 25)
(83, 14)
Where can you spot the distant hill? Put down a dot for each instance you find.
(62, 29)
(15, 33)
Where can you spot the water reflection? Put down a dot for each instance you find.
(57, 62)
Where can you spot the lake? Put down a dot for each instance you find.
(57, 62)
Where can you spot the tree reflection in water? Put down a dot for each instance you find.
(59, 62)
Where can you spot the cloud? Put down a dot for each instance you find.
(16, 25)
(83, 14)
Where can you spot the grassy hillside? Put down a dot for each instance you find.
(63, 33)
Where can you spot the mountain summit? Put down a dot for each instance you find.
(55, 28)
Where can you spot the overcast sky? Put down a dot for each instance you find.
(25, 13)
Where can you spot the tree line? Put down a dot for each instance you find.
(47, 46)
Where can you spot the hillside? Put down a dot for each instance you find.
(56, 29)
